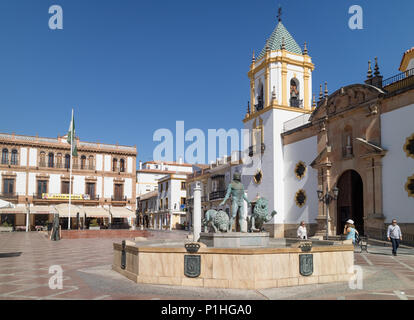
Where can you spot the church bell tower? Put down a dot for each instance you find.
(280, 90)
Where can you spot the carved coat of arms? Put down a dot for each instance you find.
(306, 264)
(192, 266)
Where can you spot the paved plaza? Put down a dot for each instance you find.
(25, 259)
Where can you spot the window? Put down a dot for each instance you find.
(294, 94)
(166, 203)
(119, 192)
(114, 164)
(65, 187)
(8, 186)
(122, 165)
(160, 204)
(409, 146)
(51, 160)
(161, 185)
(83, 162)
(300, 198)
(14, 159)
(183, 185)
(59, 160)
(67, 161)
(183, 203)
(300, 170)
(90, 190)
(41, 188)
(347, 147)
(166, 186)
(91, 164)
(42, 159)
(5, 156)
(260, 96)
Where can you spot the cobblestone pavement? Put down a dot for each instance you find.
(25, 259)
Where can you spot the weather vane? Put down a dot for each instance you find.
(279, 15)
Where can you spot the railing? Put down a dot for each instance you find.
(296, 122)
(217, 194)
(5, 161)
(399, 81)
(9, 195)
(118, 198)
(15, 137)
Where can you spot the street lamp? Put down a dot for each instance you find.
(326, 199)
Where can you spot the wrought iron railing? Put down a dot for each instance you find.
(9, 195)
(217, 194)
(118, 198)
(399, 77)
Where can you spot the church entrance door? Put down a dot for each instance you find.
(350, 203)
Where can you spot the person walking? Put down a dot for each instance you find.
(301, 232)
(350, 231)
(394, 235)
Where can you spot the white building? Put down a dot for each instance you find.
(358, 139)
(35, 176)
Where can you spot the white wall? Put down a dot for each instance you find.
(32, 183)
(55, 183)
(108, 187)
(99, 187)
(305, 151)
(78, 184)
(23, 157)
(99, 163)
(32, 157)
(21, 183)
(107, 163)
(129, 165)
(128, 188)
(396, 127)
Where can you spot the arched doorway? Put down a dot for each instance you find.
(350, 204)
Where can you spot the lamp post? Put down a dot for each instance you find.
(326, 199)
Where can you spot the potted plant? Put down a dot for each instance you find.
(93, 225)
(6, 227)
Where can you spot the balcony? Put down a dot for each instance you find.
(399, 81)
(217, 194)
(9, 196)
(119, 199)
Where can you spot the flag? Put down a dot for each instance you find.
(72, 135)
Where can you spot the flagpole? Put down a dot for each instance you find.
(70, 174)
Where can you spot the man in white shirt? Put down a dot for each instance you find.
(301, 233)
(394, 234)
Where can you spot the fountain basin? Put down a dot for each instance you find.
(236, 268)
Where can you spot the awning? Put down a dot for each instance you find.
(121, 212)
(63, 210)
(95, 212)
(42, 210)
(6, 204)
(13, 210)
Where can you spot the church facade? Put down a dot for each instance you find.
(358, 141)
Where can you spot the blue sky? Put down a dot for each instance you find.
(130, 67)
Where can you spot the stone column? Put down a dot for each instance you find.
(197, 212)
